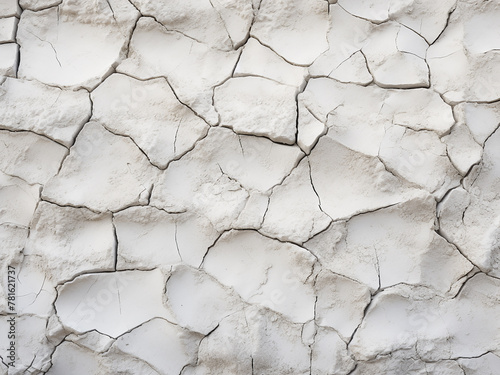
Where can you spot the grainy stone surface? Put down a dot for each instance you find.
(249, 187)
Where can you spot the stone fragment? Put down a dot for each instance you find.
(484, 365)
(174, 347)
(300, 221)
(220, 24)
(198, 302)
(92, 340)
(75, 44)
(258, 106)
(215, 181)
(349, 183)
(227, 350)
(465, 57)
(341, 303)
(346, 36)
(259, 60)
(265, 272)
(102, 172)
(358, 116)
(418, 256)
(148, 58)
(427, 19)
(9, 59)
(309, 129)
(94, 301)
(77, 358)
(329, 354)
(19, 200)
(9, 8)
(392, 66)
(481, 119)
(296, 30)
(150, 114)
(443, 328)
(69, 241)
(150, 238)
(37, 5)
(53, 112)
(8, 27)
(420, 158)
(353, 70)
(252, 215)
(29, 156)
(280, 349)
(36, 291)
(462, 149)
(32, 349)
(468, 215)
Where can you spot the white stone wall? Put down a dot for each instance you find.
(250, 187)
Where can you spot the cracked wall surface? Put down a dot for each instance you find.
(250, 187)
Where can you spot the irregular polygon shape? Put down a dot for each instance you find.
(9, 59)
(265, 272)
(75, 44)
(69, 241)
(252, 215)
(31, 157)
(254, 105)
(259, 60)
(9, 8)
(329, 354)
(391, 67)
(102, 172)
(18, 200)
(165, 346)
(70, 358)
(197, 301)
(428, 19)
(35, 290)
(149, 238)
(341, 303)
(296, 29)
(8, 27)
(349, 183)
(94, 301)
(36, 5)
(29, 105)
(32, 349)
(150, 114)
(464, 58)
(221, 24)
(443, 328)
(462, 149)
(300, 221)
(484, 365)
(346, 36)
(309, 129)
(376, 11)
(353, 70)
(280, 349)
(227, 350)
(482, 119)
(419, 157)
(211, 174)
(149, 58)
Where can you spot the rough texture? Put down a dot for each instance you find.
(249, 187)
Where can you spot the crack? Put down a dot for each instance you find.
(115, 235)
(111, 8)
(176, 243)
(223, 24)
